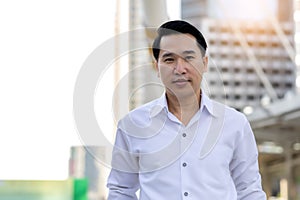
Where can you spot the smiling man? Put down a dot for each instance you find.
(184, 145)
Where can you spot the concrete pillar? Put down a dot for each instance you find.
(288, 168)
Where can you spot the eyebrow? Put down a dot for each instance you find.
(167, 54)
(189, 52)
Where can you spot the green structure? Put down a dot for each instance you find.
(71, 189)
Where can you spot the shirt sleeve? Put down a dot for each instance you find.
(244, 167)
(123, 181)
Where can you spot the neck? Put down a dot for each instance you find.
(184, 108)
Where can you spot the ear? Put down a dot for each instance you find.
(156, 68)
(205, 63)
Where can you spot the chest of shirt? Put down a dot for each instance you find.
(175, 142)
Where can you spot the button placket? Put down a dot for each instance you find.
(184, 145)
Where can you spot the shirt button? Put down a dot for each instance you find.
(184, 164)
(186, 194)
(184, 135)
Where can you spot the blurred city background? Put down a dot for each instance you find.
(254, 66)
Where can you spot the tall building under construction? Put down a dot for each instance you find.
(251, 59)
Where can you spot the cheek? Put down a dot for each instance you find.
(165, 70)
(198, 69)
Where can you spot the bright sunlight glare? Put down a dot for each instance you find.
(43, 46)
(236, 9)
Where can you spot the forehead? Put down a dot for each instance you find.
(178, 43)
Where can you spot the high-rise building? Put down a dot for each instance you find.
(143, 81)
(251, 57)
(297, 39)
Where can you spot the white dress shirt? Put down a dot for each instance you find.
(214, 157)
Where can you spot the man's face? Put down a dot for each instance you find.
(181, 65)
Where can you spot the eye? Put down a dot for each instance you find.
(188, 58)
(169, 60)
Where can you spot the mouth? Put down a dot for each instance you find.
(181, 81)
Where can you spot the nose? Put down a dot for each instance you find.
(180, 66)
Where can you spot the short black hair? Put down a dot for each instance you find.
(176, 27)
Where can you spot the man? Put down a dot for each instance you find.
(184, 145)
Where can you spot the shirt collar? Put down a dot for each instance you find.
(207, 103)
(162, 105)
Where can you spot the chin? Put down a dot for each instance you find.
(181, 94)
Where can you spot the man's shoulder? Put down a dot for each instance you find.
(145, 109)
(140, 116)
(229, 112)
